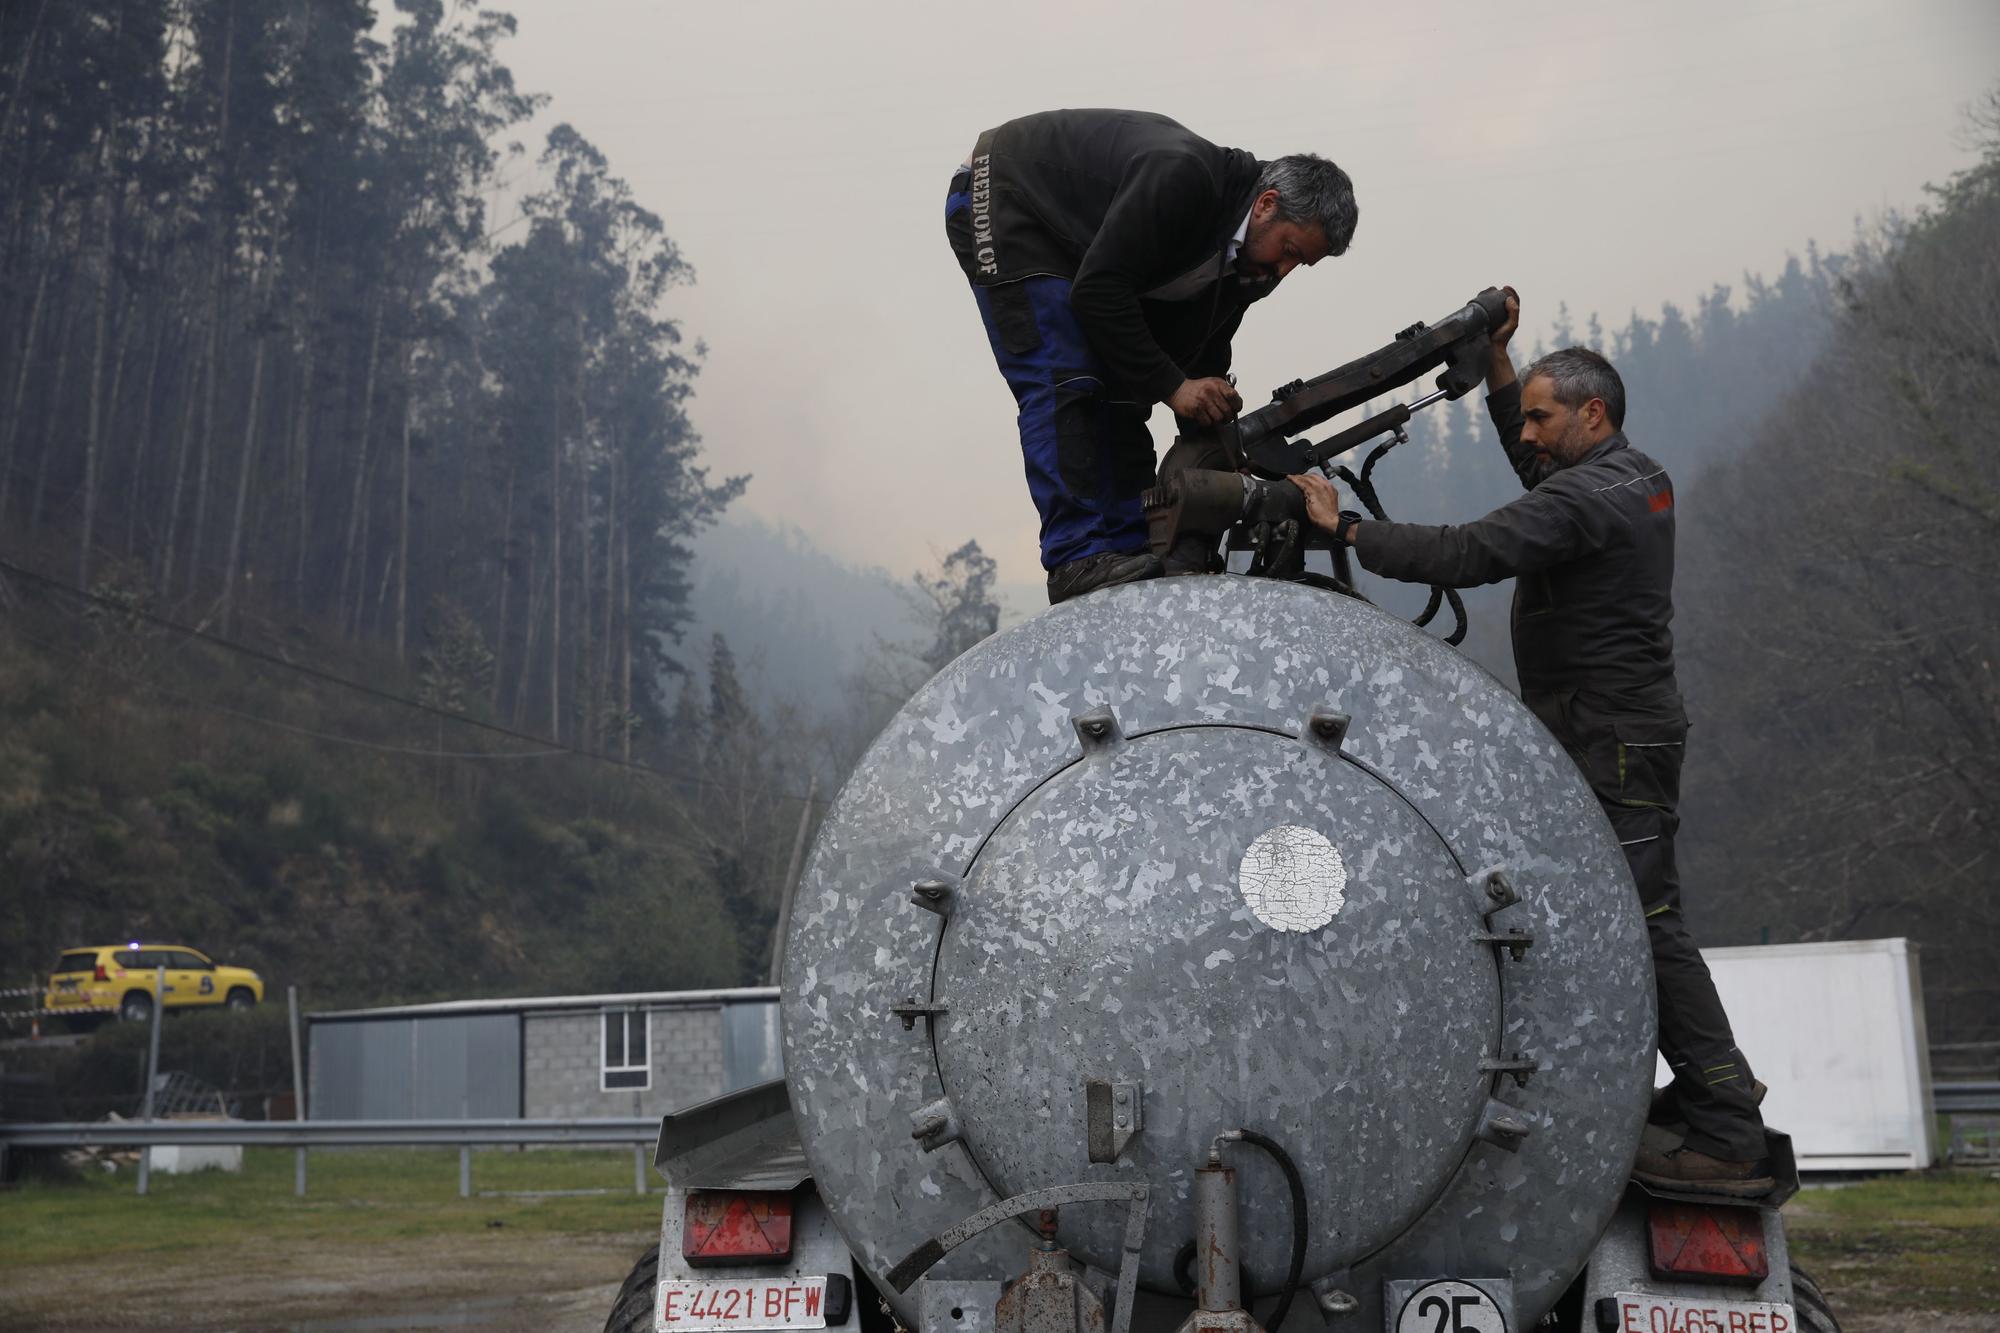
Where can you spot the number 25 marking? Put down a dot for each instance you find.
(1450, 1316)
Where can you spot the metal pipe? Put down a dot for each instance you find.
(1217, 1275)
(298, 1091)
(152, 1072)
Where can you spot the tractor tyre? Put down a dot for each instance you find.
(1810, 1303)
(632, 1311)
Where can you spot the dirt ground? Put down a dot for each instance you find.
(1921, 1264)
(499, 1282)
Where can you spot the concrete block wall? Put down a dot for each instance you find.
(564, 1055)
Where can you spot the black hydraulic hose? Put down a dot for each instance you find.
(1299, 1233)
(1364, 488)
(1457, 636)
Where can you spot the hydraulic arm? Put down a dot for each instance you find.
(1228, 480)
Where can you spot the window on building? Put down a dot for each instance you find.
(626, 1062)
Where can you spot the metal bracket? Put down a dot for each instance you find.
(911, 1009)
(935, 1124)
(1498, 887)
(1503, 1126)
(1331, 1295)
(1515, 942)
(935, 894)
(1097, 728)
(1517, 1066)
(1327, 728)
(1113, 1113)
(926, 1256)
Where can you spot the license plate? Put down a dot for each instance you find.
(66, 985)
(752, 1302)
(1672, 1314)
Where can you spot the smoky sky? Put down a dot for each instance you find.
(1604, 156)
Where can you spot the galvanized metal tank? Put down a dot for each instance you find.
(1223, 844)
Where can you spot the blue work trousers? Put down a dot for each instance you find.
(1088, 455)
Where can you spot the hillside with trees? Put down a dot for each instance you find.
(1841, 622)
(351, 523)
(348, 505)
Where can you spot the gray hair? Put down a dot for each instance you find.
(1578, 375)
(1314, 192)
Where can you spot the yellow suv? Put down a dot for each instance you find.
(88, 985)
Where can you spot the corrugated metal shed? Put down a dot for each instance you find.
(448, 1067)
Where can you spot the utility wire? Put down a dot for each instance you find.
(374, 692)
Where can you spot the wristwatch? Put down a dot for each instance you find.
(1343, 530)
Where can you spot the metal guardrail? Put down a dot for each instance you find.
(1966, 1098)
(328, 1133)
(639, 1132)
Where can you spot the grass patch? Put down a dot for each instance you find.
(351, 1195)
(1903, 1243)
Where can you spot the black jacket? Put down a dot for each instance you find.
(1120, 203)
(1592, 548)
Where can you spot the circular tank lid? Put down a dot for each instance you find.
(1242, 930)
(1025, 800)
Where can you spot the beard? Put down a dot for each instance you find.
(1574, 443)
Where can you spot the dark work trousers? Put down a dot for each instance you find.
(1633, 762)
(1088, 454)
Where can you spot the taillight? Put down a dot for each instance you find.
(1714, 1242)
(737, 1227)
(101, 974)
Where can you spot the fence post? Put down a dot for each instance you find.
(152, 1071)
(638, 1168)
(298, 1093)
(464, 1170)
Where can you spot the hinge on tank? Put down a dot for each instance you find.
(935, 1124)
(1515, 942)
(911, 1009)
(1097, 728)
(1516, 1066)
(1113, 1113)
(1500, 893)
(1505, 1127)
(1327, 727)
(1498, 886)
(934, 892)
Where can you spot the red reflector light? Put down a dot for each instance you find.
(737, 1227)
(100, 973)
(1714, 1242)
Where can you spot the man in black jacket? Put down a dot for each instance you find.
(1591, 546)
(1112, 255)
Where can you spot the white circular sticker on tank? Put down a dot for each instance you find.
(1292, 878)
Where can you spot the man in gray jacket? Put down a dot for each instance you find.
(1591, 547)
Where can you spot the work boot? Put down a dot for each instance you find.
(1078, 577)
(1683, 1168)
